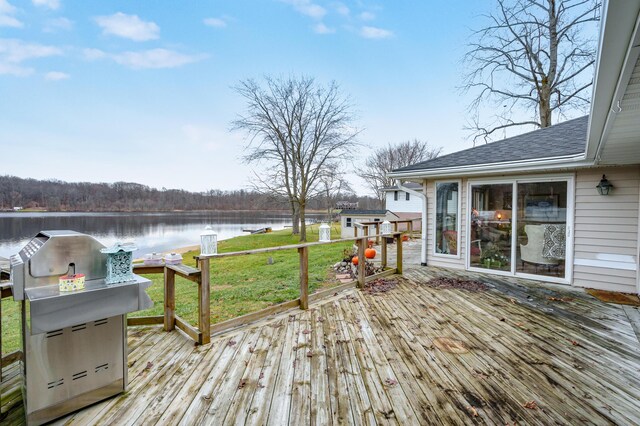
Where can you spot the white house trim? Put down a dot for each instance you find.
(459, 217)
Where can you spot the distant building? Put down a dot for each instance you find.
(16, 209)
(399, 201)
(350, 217)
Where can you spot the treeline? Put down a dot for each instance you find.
(55, 195)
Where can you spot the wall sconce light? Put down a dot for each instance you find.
(604, 187)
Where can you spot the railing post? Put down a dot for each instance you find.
(395, 226)
(383, 255)
(169, 299)
(304, 277)
(399, 254)
(410, 227)
(362, 261)
(355, 230)
(204, 305)
(377, 225)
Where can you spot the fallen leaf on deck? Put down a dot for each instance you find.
(574, 343)
(231, 343)
(560, 299)
(149, 365)
(306, 331)
(390, 382)
(242, 384)
(530, 405)
(514, 301)
(473, 411)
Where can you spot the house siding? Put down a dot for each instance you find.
(414, 205)
(349, 232)
(438, 260)
(606, 230)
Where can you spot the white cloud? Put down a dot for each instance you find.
(367, 16)
(321, 28)
(49, 4)
(14, 52)
(145, 59)
(342, 9)
(307, 7)
(94, 54)
(17, 51)
(57, 24)
(128, 26)
(16, 70)
(6, 15)
(56, 76)
(375, 33)
(215, 22)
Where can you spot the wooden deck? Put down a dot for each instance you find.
(536, 355)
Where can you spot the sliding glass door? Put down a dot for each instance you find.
(542, 228)
(490, 234)
(525, 234)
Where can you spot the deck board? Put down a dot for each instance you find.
(359, 358)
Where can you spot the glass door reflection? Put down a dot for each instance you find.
(490, 231)
(542, 220)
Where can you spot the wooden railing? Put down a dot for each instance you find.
(303, 300)
(170, 320)
(364, 226)
(201, 276)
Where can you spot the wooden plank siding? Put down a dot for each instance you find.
(606, 226)
(446, 261)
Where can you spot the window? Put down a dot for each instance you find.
(348, 224)
(447, 218)
(377, 219)
(395, 195)
(408, 196)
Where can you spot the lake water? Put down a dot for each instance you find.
(152, 232)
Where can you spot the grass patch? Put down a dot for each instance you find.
(239, 285)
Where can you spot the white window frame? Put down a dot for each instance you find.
(458, 221)
(348, 222)
(514, 180)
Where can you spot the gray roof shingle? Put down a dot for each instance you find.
(567, 138)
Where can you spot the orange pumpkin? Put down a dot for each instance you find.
(354, 260)
(405, 238)
(370, 253)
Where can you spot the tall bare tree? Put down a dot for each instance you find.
(532, 59)
(334, 185)
(392, 157)
(297, 129)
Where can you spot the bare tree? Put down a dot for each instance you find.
(334, 185)
(392, 157)
(531, 60)
(297, 129)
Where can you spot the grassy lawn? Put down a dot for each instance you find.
(239, 285)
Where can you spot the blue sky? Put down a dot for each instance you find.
(140, 91)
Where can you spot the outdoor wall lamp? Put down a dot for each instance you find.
(604, 187)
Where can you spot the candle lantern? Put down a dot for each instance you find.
(119, 262)
(385, 228)
(208, 242)
(325, 232)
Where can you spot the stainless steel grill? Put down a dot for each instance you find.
(74, 343)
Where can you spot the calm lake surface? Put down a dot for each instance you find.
(152, 232)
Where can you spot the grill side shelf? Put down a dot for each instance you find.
(51, 309)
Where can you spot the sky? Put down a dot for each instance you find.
(142, 91)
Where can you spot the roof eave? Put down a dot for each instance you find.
(620, 21)
(561, 162)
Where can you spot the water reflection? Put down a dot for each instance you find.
(151, 231)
